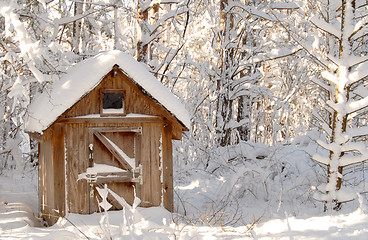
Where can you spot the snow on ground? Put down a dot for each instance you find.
(203, 210)
(18, 200)
(269, 223)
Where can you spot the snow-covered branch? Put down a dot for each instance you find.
(148, 4)
(326, 27)
(321, 84)
(320, 59)
(327, 146)
(272, 55)
(359, 73)
(330, 77)
(153, 28)
(325, 126)
(357, 131)
(321, 159)
(284, 5)
(350, 160)
(354, 106)
(66, 20)
(249, 9)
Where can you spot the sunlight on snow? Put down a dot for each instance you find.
(192, 185)
(66, 85)
(330, 226)
(12, 220)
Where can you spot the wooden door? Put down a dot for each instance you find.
(115, 157)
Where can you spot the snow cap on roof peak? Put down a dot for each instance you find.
(51, 104)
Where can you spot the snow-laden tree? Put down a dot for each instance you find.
(338, 46)
(346, 73)
(286, 111)
(160, 33)
(19, 57)
(255, 91)
(239, 40)
(36, 37)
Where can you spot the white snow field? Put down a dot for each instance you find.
(18, 204)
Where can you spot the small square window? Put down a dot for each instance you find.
(112, 102)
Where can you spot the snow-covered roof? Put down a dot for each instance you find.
(84, 77)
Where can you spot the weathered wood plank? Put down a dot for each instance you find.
(77, 162)
(82, 163)
(35, 136)
(146, 165)
(69, 169)
(116, 129)
(155, 164)
(116, 179)
(138, 162)
(41, 178)
(176, 131)
(167, 175)
(59, 169)
(125, 173)
(125, 141)
(101, 154)
(108, 120)
(110, 198)
(124, 190)
(48, 200)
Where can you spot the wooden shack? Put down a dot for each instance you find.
(107, 121)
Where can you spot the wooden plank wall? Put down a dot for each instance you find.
(138, 160)
(155, 164)
(145, 188)
(46, 179)
(77, 163)
(150, 160)
(124, 140)
(59, 169)
(41, 177)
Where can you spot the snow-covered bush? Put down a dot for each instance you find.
(246, 181)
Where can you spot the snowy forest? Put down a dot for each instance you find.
(277, 94)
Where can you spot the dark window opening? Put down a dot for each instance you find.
(112, 100)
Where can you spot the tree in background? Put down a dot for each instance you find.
(238, 73)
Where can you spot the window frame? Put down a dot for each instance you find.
(102, 92)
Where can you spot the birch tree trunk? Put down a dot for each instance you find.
(142, 45)
(244, 103)
(77, 26)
